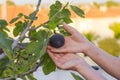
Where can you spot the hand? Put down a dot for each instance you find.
(74, 62)
(74, 43)
(67, 61)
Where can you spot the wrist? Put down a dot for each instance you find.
(88, 73)
(81, 65)
(88, 48)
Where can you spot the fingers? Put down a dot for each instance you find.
(59, 50)
(64, 61)
(62, 49)
(51, 55)
(56, 58)
(68, 28)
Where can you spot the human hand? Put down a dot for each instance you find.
(67, 61)
(74, 62)
(74, 43)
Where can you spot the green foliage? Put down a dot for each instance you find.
(3, 26)
(16, 18)
(110, 45)
(59, 14)
(7, 73)
(32, 16)
(110, 3)
(76, 77)
(52, 25)
(9, 2)
(115, 27)
(63, 31)
(78, 11)
(91, 36)
(48, 66)
(31, 77)
(55, 8)
(95, 4)
(3, 65)
(6, 43)
(22, 59)
(20, 26)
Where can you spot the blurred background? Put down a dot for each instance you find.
(101, 24)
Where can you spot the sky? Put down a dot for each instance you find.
(19, 2)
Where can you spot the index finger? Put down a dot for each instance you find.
(68, 28)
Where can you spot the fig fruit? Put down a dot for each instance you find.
(57, 41)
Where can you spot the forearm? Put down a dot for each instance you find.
(90, 74)
(109, 63)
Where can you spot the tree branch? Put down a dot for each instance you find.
(27, 28)
(23, 33)
(15, 43)
(39, 25)
(26, 73)
(32, 70)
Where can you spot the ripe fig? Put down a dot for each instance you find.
(57, 41)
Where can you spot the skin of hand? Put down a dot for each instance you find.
(74, 62)
(74, 43)
(65, 61)
(78, 43)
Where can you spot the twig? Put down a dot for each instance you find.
(40, 25)
(49, 20)
(32, 70)
(23, 33)
(17, 41)
(26, 29)
(26, 73)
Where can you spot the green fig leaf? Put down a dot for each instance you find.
(78, 11)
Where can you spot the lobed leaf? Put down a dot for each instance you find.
(48, 65)
(32, 34)
(30, 77)
(59, 14)
(67, 20)
(32, 16)
(16, 18)
(78, 11)
(3, 23)
(54, 8)
(3, 65)
(6, 43)
(20, 26)
(66, 12)
(52, 25)
(33, 47)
